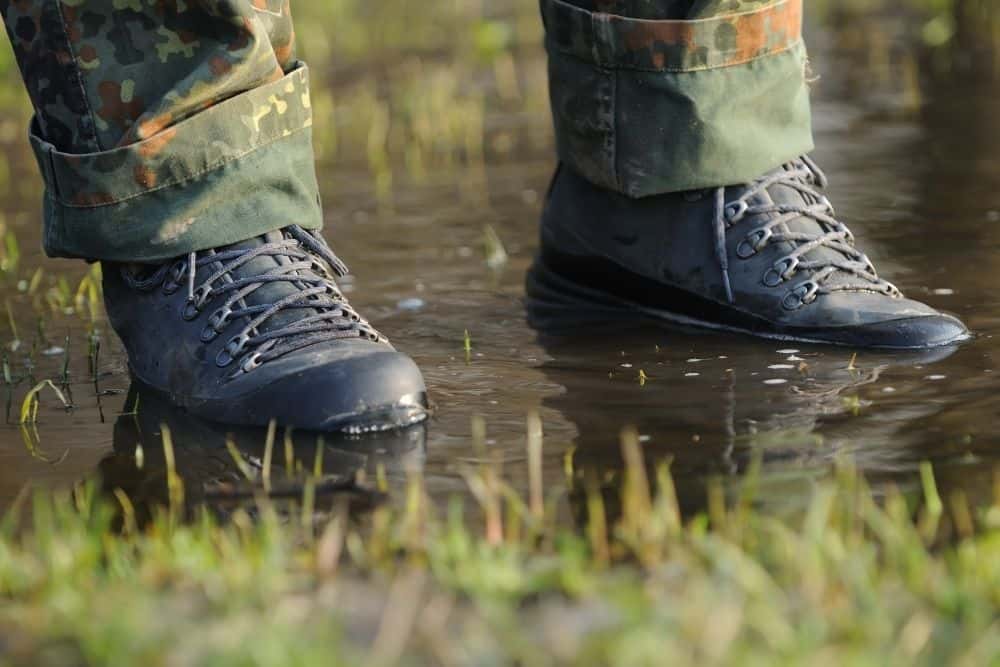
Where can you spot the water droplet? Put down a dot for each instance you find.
(936, 377)
(775, 381)
(691, 375)
(412, 303)
(781, 367)
(788, 351)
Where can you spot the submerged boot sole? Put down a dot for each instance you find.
(555, 301)
(407, 411)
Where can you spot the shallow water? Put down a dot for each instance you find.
(914, 170)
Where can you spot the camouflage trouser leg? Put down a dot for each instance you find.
(656, 96)
(165, 127)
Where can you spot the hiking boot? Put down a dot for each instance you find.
(767, 258)
(257, 331)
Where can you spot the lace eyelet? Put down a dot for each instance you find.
(223, 358)
(196, 302)
(781, 271)
(869, 265)
(232, 349)
(190, 311)
(893, 291)
(828, 205)
(735, 211)
(251, 362)
(848, 235)
(753, 243)
(802, 295)
(173, 281)
(201, 295)
(208, 334)
(220, 319)
(792, 301)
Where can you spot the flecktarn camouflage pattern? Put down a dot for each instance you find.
(670, 9)
(672, 45)
(166, 126)
(647, 106)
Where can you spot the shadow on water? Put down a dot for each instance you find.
(909, 135)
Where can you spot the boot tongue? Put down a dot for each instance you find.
(268, 293)
(782, 194)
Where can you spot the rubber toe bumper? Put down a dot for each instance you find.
(370, 392)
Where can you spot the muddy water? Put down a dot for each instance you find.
(914, 171)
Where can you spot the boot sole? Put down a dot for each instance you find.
(374, 420)
(556, 303)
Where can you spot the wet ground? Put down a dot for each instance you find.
(912, 151)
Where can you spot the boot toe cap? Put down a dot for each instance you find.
(376, 388)
(367, 393)
(926, 331)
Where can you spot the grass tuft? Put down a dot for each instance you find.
(604, 576)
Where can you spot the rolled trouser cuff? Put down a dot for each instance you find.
(646, 107)
(238, 169)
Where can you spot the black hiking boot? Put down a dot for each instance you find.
(766, 258)
(258, 331)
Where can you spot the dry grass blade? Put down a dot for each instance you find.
(175, 485)
(241, 463)
(29, 407)
(268, 455)
(536, 500)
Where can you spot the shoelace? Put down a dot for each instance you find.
(312, 267)
(802, 176)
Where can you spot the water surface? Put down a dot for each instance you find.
(910, 145)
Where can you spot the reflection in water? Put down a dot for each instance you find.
(711, 404)
(214, 477)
